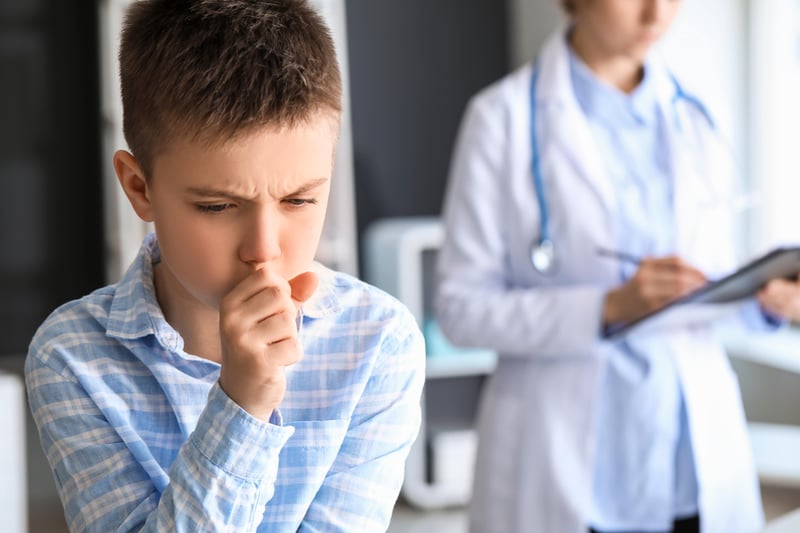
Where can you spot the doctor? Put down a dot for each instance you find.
(595, 145)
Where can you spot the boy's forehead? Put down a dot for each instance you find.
(282, 156)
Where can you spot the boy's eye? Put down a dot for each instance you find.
(213, 208)
(299, 202)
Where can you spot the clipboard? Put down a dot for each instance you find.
(715, 298)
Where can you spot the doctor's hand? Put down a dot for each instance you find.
(657, 282)
(258, 331)
(781, 297)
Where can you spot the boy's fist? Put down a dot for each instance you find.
(258, 332)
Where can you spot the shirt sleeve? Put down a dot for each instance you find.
(221, 479)
(362, 485)
(754, 318)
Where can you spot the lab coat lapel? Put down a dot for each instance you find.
(729, 499)
(572, 135)
(565, 122)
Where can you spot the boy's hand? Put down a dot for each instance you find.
(657, 282)
(258, 332)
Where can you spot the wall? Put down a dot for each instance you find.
(50, 230)
(413, 66)
(530, 23)
(775, 120)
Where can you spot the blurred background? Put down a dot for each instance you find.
(409, 68)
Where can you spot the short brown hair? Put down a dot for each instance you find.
(212, 69)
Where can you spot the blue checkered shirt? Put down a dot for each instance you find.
(141, 437)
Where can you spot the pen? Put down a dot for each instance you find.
(616, 254)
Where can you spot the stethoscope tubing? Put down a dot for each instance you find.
(536, 169)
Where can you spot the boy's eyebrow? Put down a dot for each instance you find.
(205, 192)
(309, 185)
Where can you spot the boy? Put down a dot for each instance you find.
(227, 382)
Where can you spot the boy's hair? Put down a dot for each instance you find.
(212, 69)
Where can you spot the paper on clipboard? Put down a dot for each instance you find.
(717, 298)
(677, 317)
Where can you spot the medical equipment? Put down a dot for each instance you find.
(543, 250)
(543, 253)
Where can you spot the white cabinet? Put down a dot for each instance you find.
(13, 489)
(400, 256)
(768, 367)
(789, 523)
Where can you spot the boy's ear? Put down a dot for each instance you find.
(134, 183)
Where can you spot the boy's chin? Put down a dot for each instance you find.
(211, 302)
(212, 299)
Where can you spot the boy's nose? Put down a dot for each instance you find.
(260, 243)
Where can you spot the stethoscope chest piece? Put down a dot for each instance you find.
(543, 256)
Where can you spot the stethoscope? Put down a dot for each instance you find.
(543, 250)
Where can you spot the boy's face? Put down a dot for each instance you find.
(255, 202)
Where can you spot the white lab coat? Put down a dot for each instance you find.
(536, 420)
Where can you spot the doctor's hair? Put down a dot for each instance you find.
(211, 70)
(568, 6)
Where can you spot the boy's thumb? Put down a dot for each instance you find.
(303, 286)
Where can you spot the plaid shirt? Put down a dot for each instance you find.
(141, 437)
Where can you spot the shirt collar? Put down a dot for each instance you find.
(136, 313)
(610, 105)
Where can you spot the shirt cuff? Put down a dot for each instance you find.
(237, 442)
(759, 319)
